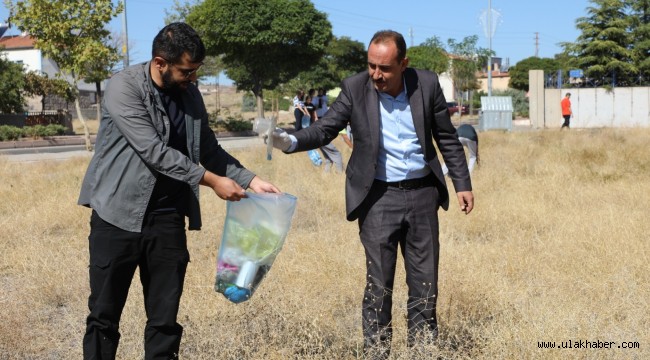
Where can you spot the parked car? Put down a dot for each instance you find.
(452, 106)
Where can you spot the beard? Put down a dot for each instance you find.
(170, 84)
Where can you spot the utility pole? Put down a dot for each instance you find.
(536, 44)
(125, 38)
(411, 35)
(489, 65)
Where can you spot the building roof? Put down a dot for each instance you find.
(17, 42)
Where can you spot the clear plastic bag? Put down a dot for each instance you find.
(253, 235)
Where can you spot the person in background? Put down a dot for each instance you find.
(321, 105)
(346, 139)
(299, 108)
(567, 114)
(394, 182)
(469, 138)
(143, 182)
(331, 155)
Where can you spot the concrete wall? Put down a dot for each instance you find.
(592, 108)
(536, 98)
(597, 107)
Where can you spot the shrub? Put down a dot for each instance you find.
(8, 133)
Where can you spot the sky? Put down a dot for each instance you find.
(514, 36)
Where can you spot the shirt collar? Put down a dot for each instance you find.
(400, 97)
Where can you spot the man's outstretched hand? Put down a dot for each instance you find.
(281, 140)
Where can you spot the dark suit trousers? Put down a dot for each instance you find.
(392, 217)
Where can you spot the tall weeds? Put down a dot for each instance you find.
(556, 249)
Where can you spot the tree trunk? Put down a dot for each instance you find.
(77, 106)
(260, 104)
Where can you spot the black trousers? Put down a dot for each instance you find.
(567, 119)
(160, 251)
(298, 115)
(390, 218)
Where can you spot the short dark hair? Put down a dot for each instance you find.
(176, 39)
(384, 36)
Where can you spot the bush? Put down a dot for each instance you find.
(37, 131)
(8, 133)
(234, 124)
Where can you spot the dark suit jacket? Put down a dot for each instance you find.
(358, 103)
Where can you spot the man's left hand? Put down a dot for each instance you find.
(466, 201)
(260, 186)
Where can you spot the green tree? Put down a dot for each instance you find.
(344, 57)
(70, 32)
(213, 65)
(429, 55)
(263, 42)
(519, 72)
(640, 33)
(41, 85)
(465, 64)
(12, 82)
(602, 50)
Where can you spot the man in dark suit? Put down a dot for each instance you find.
(394, 181)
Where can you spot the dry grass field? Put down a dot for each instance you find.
(556, 250)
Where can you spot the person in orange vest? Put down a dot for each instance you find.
(566, 110)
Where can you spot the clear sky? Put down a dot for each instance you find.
(417, 20)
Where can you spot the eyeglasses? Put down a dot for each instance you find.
(187, 73)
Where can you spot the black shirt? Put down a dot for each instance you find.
(169, 194)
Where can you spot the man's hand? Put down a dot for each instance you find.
(281, 139)
(225, 188)
(466, 201)
(260, 186)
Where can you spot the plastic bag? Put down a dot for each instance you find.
(253, 235)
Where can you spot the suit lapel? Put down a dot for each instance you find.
(414, 95)
(372, 115)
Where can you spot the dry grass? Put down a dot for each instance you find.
(556, 250)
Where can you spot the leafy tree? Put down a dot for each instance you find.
(519, 72)
(430, 56)
(263, 42)
(41, 85)
(99, 69)
(11, 83)
(640, 33)
(70, 32)
(465, 64)
(213, 65)
(603, 48)
(344, 57)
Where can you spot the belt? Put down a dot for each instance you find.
(410, 184)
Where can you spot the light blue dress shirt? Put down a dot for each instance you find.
(400, 152)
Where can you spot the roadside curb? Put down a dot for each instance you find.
(79, 140)
(46, 141)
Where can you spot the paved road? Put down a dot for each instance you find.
(65, 152)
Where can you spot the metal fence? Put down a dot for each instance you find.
(563, 80)
(44, 118)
